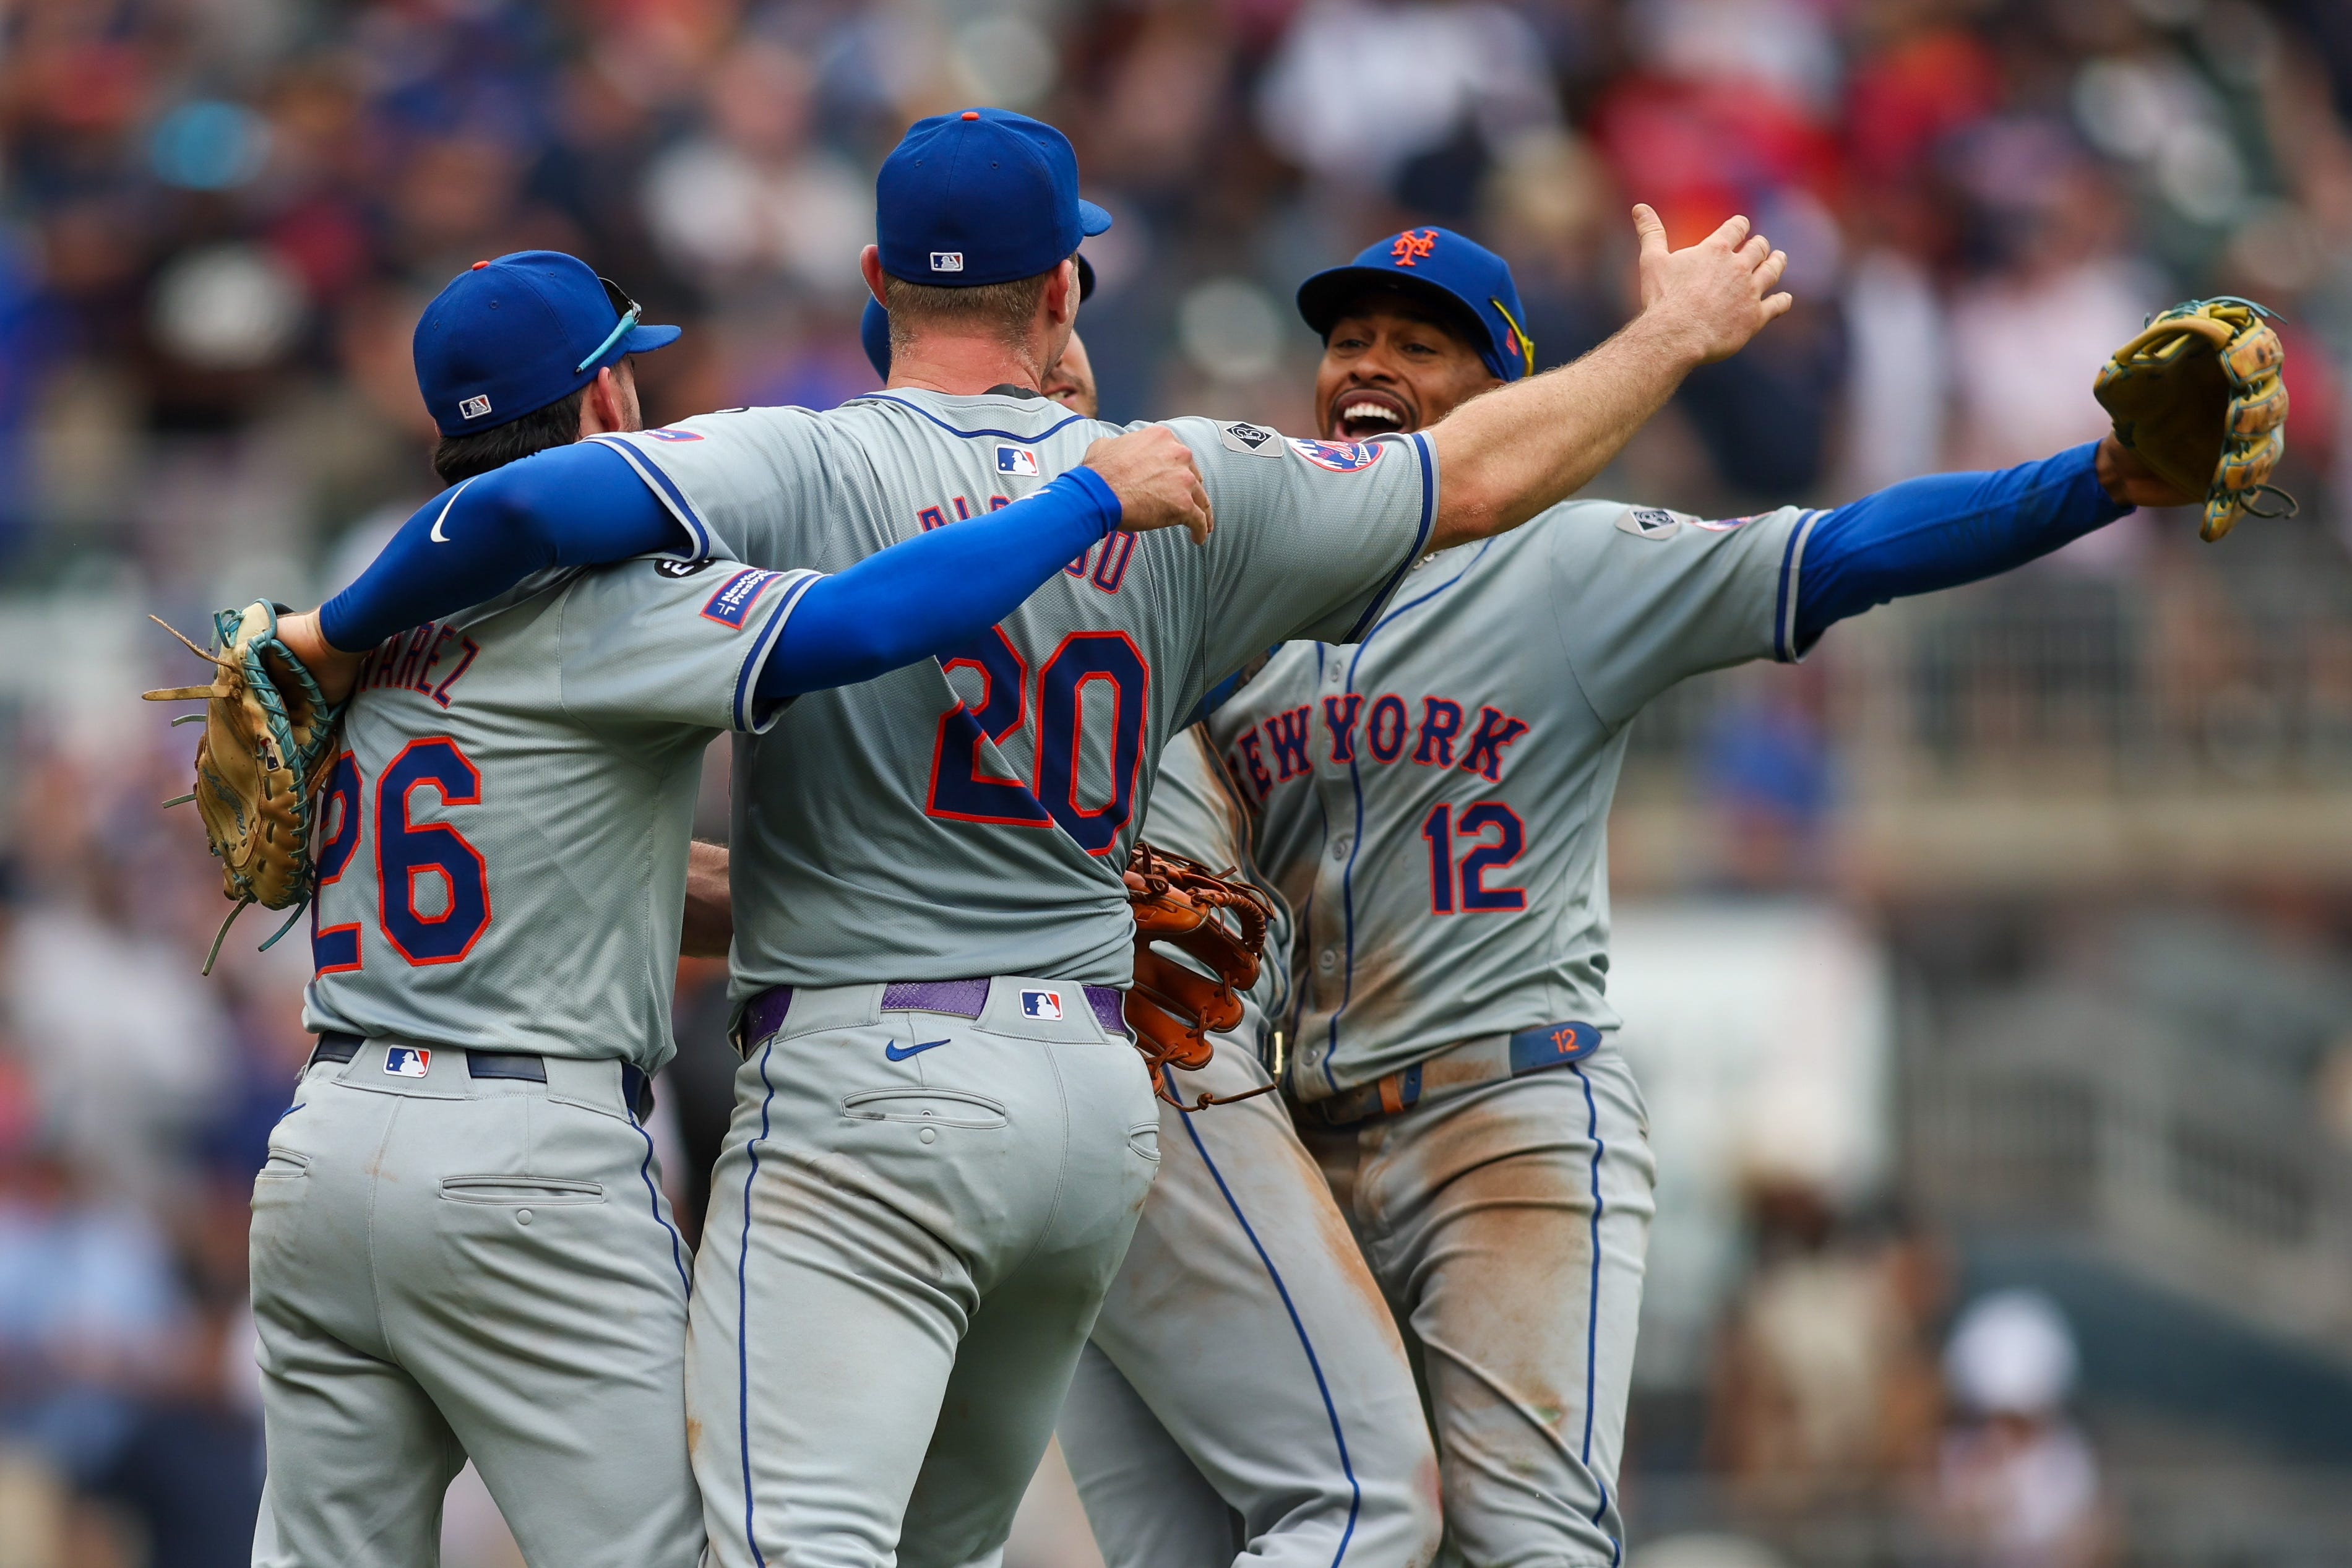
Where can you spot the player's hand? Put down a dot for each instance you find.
(1715, 295)
(334, 670)
(1157, 483)
(2127, 479)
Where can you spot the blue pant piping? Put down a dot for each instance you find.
(1355, 1489)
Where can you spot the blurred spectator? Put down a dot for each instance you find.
(1824, 1390)
(218, 221)
(2017, 1485)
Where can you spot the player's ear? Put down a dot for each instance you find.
(1062, 293)
(869, 263)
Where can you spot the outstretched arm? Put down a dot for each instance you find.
(1945, 530)
(1506, 456)
(584, 505)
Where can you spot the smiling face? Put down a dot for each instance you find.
(1390, 364)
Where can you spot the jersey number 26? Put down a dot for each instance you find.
(406, 851)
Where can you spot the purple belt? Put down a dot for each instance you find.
(763, 1015)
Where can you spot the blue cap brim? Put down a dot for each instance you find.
(1092, 219)
(645, 340)
(1330, 294)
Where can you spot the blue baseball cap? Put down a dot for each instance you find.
(516, 334)
(982, 196)
(874, 327)
(1459, 274)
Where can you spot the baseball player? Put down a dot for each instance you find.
(1432, 802)
(460, 1248)
(1179, 1456)
(941, 1138)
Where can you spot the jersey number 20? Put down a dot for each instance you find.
(406, 851)
(963, 787)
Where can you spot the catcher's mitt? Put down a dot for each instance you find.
(268, 743)
(1174, 1008)
(2197, 395)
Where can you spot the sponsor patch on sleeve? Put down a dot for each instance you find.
(1649, 522)
(1338, 456)
(732, 605)
(1250, 440)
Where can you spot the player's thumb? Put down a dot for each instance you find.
(1651, 230)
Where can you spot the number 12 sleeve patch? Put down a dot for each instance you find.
(730, 606)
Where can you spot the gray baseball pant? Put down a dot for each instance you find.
(1507, 1224)
(913, 1221)
(1246, 1397)
(444, 1267)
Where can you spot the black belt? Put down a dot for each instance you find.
(636, 1088)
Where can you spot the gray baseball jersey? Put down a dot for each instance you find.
(970, 816)
(506, 769)
(1434, 801)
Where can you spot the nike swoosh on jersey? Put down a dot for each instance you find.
(437, 536)
(895, 1055)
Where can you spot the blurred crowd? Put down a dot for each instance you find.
(219, 218)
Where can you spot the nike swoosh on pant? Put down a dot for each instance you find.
(895, 1055)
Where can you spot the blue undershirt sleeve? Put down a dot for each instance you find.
(937, 590)
(580, 505)
(1943, 531)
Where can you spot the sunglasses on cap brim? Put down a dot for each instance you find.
(628, 310)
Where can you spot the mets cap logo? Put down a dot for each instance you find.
(1340, 457)
(1041, 1003)
(1409, 247)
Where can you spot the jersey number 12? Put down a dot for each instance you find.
(404, 852)
(1473, 897)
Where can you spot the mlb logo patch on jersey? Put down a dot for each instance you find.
(407, 1061)
(1649, 522)
(732, 604)
(1018, 460)
(673, 434)
(473, 409)
(1340, 457)
(1041, 1004)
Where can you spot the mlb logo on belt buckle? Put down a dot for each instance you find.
(1041, 1003)
(1016, 460)
(407, 1061)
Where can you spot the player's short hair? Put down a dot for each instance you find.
(457, 457)
(1003, 311)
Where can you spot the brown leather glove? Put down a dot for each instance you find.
(2197, 395)
(268, 743)
(1214, 919)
